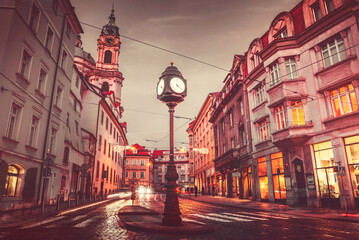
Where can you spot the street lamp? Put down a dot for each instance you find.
(171, 90)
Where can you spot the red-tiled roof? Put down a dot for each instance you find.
(141, 150)
(157, 153)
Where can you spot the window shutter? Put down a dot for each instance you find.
(3, 174)
(30, 183)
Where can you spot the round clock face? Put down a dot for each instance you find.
(109, 40)
(160, 87)
(177, 85)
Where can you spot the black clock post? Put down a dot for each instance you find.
(171, 90)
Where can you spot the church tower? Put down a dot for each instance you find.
(106, 75)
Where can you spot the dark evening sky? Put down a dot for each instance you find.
(209, 30)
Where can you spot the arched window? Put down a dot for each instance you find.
(12, 179)
(108, 56)
(282, 26)
(66, 156)
(105, 87)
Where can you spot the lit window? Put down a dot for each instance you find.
(329, 5)
(279, 117)
(278, 176)
(11, 184)
(52, 145)
(343, 100)
(33, 131)
(297, 112)
(275, 73)
(263, 131)
(25, 64)
(263, 178)
(317, 13)
(13, 122)
(34, 17)
(42, 79)
(291, 68)
(333, 52)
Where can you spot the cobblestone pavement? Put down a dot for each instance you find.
(101, 222)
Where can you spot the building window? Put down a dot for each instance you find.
(106, 123)
(275, 73)
(142, 175)
(109, 149)
(65, 159)
(111, 176)
(110, 128)
(49, 37)
(279, 117)
(127, 162)
(134, 174)
(291, 68)
(242, 135)
(77, 83)
(329, 5)
(343, 100)
(99, 142)
(253, 62)
(278, 176)
(296, 108)
(104, 146)
(327, 177)
(259, 93)
(52, 146)
(223, 126)
(98, 169)
(142, 163)
(68, 29)
(230, 116)
(14, 121)
(263, 131)
(263, 179)
(64, 60)
(25, 64)
(317, 12)
(42, 79)
(12, 180)
(232, 143)
(58, 97)
(34, 17)
(126, 174)
(283, 33)
(102, 117)
(108, 57)
(33, 131)
(333, 52)
(134, 162)
(352, 149)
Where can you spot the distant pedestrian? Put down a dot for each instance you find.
(213, 190)
(195, 191)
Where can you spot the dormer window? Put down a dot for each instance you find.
(329, 5)
(317, 12)
(282, 33)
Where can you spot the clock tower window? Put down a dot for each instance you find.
(108, 57)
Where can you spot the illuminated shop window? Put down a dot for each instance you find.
(263, 179)
(12, 181)
(278, 176)
(352, 150)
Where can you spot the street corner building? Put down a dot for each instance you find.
(61, 135)
(285, 124)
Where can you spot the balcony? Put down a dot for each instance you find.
(292, 135)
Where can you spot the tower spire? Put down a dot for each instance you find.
(111, 28)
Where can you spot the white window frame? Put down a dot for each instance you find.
(297, 108)
(263, 131)
(338, 48)
(348, 100)
(291, 68)
(275, 73)
(279, 115)
(34, 129)
(134, 162)
(34, 26)
(41, 85)
(25, 73)
(49, 41)
(142, 162)
(314, 7)
(58, 96)
(53, 140)
(64, 58)
(13, 123)
(259, 94)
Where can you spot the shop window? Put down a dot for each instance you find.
(275, 73)
(13, 122)
(263, 131)
(326, 170)
(352, 150)
(263, 179)
(279, 117)
(296, 109)
(278, 176)
(291, 68)
(12, 180)
(333, 52)
(343, 100)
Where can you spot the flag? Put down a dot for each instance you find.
(117, 104)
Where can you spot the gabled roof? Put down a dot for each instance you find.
(141, 151)
(157, 153)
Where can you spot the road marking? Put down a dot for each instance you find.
(191, 220)
(265, 215)
(84, 223)
(79, 217)
(231, 218)
(245, 216)
(211, 218)
(42, 222)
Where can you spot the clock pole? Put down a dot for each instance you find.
(171, 95)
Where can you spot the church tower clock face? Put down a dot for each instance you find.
(109, 40)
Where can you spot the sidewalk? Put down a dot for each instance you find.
(324, 213)
(20, 217)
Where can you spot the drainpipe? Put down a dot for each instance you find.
(49, 117)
